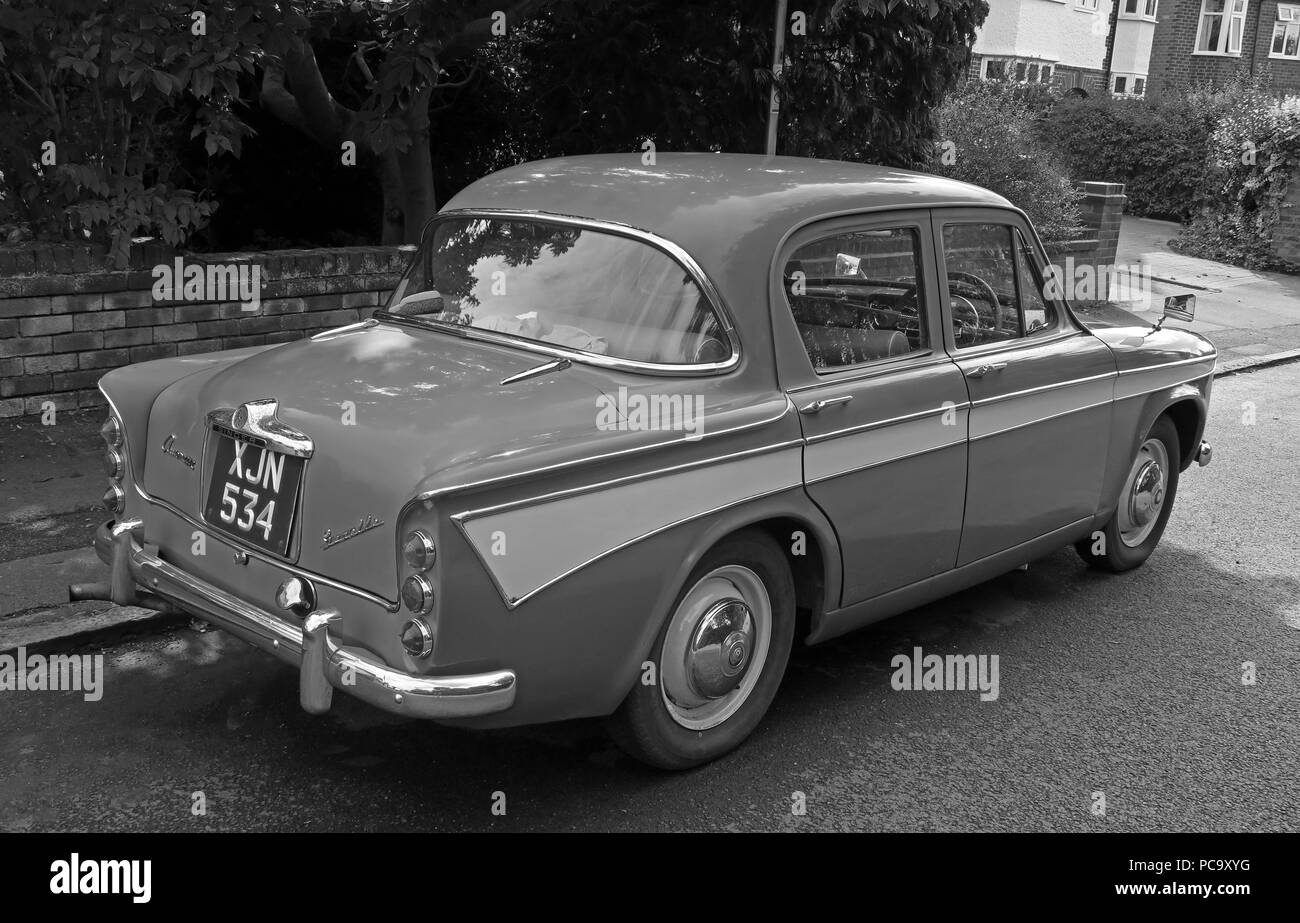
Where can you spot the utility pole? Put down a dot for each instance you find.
(778, 62)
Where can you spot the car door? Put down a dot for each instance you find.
(883, 406)
(1040, 387)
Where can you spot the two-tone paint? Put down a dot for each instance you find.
(561, 547)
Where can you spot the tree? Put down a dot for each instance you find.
(96, 98)
(404, 55)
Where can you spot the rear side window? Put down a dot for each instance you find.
(564, 285)
(857, 297)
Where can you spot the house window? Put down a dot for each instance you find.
(995, 70)
(1090, 5)
(1139, 8)
(1221, 25)
(1046, 74)
(1121, 85)
(1139, 86)
(1286, 33)
(1020, 70)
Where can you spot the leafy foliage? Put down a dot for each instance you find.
(97, 98)
(1253, 155)
(986, 135)
(1156, 148)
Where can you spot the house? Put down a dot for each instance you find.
(1209, 41)
(1093, 46)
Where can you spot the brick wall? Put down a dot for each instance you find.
(1103, 207)
(1285, 241)
(64, 328)
(1174, 66)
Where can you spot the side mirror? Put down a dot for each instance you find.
(1180, 307)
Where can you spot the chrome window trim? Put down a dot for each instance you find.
(672, 250)
(266, 558)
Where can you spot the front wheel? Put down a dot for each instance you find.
(1134, 530)
(718, 659)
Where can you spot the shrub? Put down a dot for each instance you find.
(986, 136)
(1253, 154)
(1157, 149)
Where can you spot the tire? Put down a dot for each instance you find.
(688, 717)
(1129, 539)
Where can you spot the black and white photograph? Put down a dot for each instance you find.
(650, 417)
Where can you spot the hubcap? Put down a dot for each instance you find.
(715, 647)
(1144, 493)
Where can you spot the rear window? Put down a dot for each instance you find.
(572, 287)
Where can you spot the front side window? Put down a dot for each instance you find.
(563, 285)
(994, 291)
(1221, 25)
(856, 297)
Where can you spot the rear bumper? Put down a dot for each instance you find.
(323, 665)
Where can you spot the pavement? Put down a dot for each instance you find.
(1131, 687)
(1247, 314)
(51, 477)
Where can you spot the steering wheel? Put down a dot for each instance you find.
(985, 290)
(963, 330)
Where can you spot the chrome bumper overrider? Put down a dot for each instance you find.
(323, 665)
(1204, 453)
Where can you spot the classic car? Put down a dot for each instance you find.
(623, 433)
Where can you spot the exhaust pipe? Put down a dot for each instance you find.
(78, 592)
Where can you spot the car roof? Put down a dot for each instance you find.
(728, 211)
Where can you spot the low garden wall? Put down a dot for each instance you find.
(64, 324)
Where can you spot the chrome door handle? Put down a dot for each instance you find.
(981, 370)
(819, 406)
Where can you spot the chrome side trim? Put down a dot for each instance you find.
(626, 479)
(885, 461)
(912, 435)
(512, 603)
(1054, 386)
(1038, 405)
(1131, 387)
(877, 424)
(593, 459)
(672, 250)
(686, 493)
(1165, 365)
(391, 606)
(1036, 420)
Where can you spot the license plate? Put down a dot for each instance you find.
(253, 493)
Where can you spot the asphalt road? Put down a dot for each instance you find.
(1128, 685)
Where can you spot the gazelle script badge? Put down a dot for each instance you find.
(332, 538)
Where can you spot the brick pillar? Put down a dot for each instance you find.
(1285, 239)
(1103, 206)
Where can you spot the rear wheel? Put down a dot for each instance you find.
(718, 659)
(1145, 502)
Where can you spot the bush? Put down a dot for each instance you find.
(1253, 154)
(1157, 149)
(985, 135)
